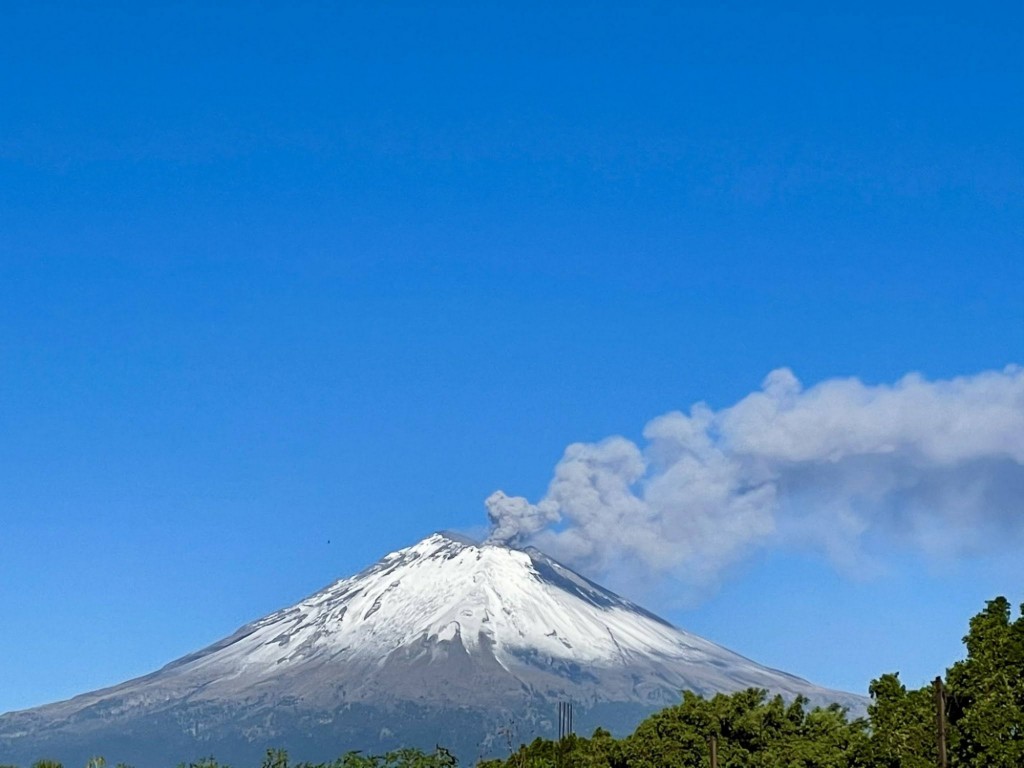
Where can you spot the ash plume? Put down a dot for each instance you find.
(845, 468)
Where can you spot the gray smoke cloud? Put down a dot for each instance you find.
(844, 468)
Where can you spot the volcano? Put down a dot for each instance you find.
(470, 646)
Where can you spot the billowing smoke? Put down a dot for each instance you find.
(851, 470)
(514, 519)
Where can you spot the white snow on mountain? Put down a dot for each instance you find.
(504, 602)
(447, 627)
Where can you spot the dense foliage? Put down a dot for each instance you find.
(987, 691)
(749, 728)
(983, 704)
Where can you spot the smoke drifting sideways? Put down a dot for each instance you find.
(853, 471)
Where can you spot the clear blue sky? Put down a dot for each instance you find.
(283, 288)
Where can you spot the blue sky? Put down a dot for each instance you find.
(285, 288)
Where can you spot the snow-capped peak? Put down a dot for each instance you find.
(454, 634)
(520, 607)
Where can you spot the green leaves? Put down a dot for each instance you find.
(902, 725)
(752, 731)
(986, 691)
(203, 762)
(599, 751)
(400, 758)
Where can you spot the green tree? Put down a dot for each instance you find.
(751, 731)
(601, 750)
(275, 758)
(399, 758)
(986, 691)
(675, 736)
(203, 762)
(902, 724)
(417, 758)
(824, 738)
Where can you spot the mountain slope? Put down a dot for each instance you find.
(446, 641)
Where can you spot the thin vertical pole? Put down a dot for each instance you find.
(713, 749)
(940, 721)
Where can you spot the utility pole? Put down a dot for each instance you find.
(565, 725)
(564, 729)
(940, 720)
(713, 749)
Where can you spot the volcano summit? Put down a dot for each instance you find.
(446, 642)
